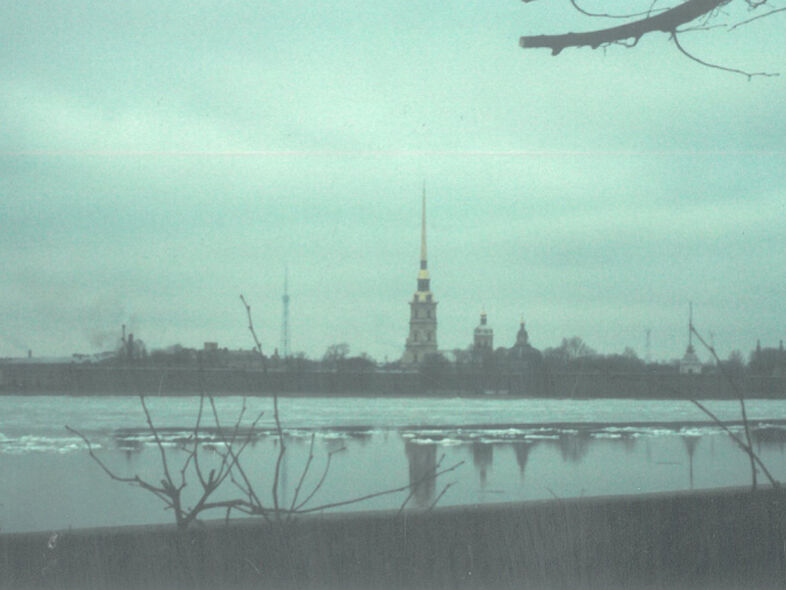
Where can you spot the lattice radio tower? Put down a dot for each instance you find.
(285, 316)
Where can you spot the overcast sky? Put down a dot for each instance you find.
(157, 159)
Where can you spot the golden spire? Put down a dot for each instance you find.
(423, 231)
(423, 278)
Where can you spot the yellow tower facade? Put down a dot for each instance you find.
(422, 339)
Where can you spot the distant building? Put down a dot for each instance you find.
(484, 335)
(422, 339)
(690, 363)
(526, 367)
(522, 353)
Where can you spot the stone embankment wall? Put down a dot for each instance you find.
(78, 379)
(719, 539)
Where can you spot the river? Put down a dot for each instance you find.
(505, 449)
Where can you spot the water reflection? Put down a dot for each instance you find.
(422, 459)
(482, 459)
(616, 448)
(565, 459)
(690, 441)
(769, 436)
(574, 446)
(522, 450)
(629, 442)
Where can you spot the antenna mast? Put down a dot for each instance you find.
(285, 316)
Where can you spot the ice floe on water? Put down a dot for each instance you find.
(454, 436)
(128, 440)
(41, 444)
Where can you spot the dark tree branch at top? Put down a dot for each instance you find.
(667, 22)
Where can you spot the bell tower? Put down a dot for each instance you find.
(422, 339)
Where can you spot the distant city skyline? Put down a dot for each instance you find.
(159, 159)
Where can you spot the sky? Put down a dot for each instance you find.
(158, 159)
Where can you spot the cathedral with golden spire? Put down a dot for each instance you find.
(422, 339)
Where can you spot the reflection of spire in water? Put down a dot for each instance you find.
(482, 458)
(283, 483)
(574, 446)
(691, 442)
(334, 444)
(629, 442)
(361, 437)
(772, 436)
(422, 466)
(522, 450)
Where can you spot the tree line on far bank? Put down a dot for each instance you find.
(572, 355)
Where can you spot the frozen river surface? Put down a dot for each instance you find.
(511, 449)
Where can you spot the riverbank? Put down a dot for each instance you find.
(95, 379)
(729, 538)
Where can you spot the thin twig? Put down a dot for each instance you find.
(414, 485)
(377, 494)
(235, 456)
(197, 467)
(749, 75)
(622, 16)
(279, 431)
(410, 495)
(748, 450)
(740, 396)
(322, 479)
(750, 20)
(161, 493)
(157, 438)
(304, 472)
(439, 497)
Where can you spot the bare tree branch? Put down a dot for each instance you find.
(157, 439)
(415, 484)
(606, 15)
(231, 468)
(439, 497)
(749, 75)
(136, 480)
(282, 449)
(382, 493)
(322, 479)
(169, 492)
(747, 447)
(304, 472)
(748, 450)
(235, 464)
(750, 20)
(667, 22)
(740, 396)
